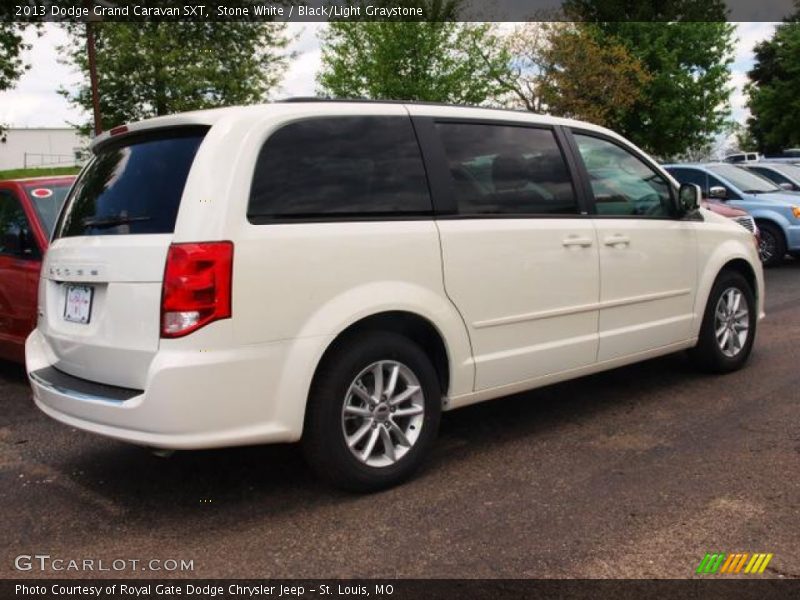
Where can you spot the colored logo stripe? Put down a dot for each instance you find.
(710, 563)
(758, 563)
(733, 563)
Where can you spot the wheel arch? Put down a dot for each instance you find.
(771, 218)
(409, 324)
(730, 255)
(716, 350)
(744, 268)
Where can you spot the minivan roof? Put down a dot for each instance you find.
(322, 106)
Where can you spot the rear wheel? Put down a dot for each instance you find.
(373, 412)
(729, 325)
(772, 245)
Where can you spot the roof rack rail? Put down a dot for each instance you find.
(305, 99)
(300, 99)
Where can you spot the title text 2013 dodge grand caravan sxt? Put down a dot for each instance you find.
(340, 273)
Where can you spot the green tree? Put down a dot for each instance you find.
(11, 48)
(156, 68)
(774, 90)
(437, 60)
(561, 69)
(687, 47)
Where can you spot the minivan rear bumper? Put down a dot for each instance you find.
(192, 399)
(81, 389)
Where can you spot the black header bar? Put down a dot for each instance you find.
(710, 588)
(394, 10)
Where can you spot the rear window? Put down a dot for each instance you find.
(132, 187)
(340, 168)
(47, 201)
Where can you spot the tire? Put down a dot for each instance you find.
(723, 355)
(772, 247)
(335, 386)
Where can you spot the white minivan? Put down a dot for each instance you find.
(342, 272)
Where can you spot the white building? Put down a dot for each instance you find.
(41, 147)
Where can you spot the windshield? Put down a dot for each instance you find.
(132, 188)
(47, 200)
(792, 171)
(746, 181)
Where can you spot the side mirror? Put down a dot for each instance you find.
(689, 196)
(718, 192)
(786, 186)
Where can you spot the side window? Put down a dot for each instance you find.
(340, 167)
(703, 179)
(622, 184)
(17, 238)
(499, 169)
(692, 176)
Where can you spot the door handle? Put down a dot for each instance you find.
(574, 240)
(617, 240)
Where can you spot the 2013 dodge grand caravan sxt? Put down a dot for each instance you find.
(340, 273)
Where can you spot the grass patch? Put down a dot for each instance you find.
(39, 172)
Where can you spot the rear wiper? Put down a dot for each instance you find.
(103, 222)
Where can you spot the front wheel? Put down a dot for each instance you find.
(771, 245)
(373, 412)
(729, 325)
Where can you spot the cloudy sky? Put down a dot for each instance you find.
(34, 102)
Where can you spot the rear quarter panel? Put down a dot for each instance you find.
(302, 281)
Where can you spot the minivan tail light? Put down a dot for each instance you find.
(197, 286)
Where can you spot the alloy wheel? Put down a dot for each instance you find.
(731, 322)
(767, 246)
(383, 413)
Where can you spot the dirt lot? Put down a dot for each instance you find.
(636, 472)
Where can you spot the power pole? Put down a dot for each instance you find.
(90, 50)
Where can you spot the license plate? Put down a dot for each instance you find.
(79, 303)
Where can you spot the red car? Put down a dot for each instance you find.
(28, 211)
(737, 214)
